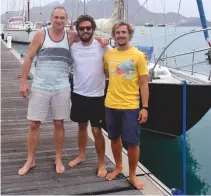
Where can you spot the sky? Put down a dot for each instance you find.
(188, 7)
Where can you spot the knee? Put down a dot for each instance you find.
(34, 125)
(58, 124)
(83, 126)
(131, 142)
(116, 140)
(97, 132)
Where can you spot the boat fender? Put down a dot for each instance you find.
(208, 54)
(176, 191)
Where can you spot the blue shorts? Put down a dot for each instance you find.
(123, 123)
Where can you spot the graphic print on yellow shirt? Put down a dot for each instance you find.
(125, 68)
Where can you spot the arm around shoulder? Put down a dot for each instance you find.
(106, 71)
(73, 37)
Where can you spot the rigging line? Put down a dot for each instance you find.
(164, 11)
(150, 28)
(121, 9)
(40, 8)
(139, 9)
(84, 6)
(73, 3)
(87, 8)
(126, 10)
(169, 35)
(78, 8)
(177, 18)
(176, 78)
(165, 41)
(7, 6)
(13, 7)
(19, 8)
(101, 2)
(175, 28)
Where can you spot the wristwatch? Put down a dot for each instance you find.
(146, 108)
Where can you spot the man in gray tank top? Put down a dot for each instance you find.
(50, 87)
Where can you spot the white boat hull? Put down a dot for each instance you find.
(19, 35)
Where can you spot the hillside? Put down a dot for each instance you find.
(92, 8)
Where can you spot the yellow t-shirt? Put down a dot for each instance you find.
(125, 68)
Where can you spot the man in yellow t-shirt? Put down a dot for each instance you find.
(127, 70)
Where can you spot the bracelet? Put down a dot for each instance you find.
(146, 108)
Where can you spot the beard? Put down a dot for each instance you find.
(121, 43)
(86, 39)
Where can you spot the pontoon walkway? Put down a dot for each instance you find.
(43, 178)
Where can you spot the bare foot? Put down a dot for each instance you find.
(25, 169)
(113, 174)
(102, 171)
(136, 183)
(59, 167)
(76, 162)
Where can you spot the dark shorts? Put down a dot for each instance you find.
(124, 123)
(86, 109)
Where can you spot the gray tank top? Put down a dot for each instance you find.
(53, 64)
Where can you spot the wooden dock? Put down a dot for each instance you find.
(43, 180)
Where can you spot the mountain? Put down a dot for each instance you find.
(137, 15)
(193, 21)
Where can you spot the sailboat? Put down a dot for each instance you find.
(148, 24)
(167, 96)
(20, 28)
(166, 84)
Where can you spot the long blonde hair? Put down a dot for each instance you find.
(121, 23)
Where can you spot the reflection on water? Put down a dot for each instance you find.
(20, 48)
(163, 157)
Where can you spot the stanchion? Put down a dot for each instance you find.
(9, 42)
(184, 162)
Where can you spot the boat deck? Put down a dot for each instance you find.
(43, 180)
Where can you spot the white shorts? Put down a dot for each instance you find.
(42, 101)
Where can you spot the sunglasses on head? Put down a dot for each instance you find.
(88, 28)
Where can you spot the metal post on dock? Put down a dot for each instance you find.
(176, 191)
(193, 61)
(184, 135)
(9, 42)
(209, 74)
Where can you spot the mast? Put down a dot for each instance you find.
(121, 10)
(84, 7)
(126, 11)
(72, 12)
(24, 12)
(28, 9)
(203, 20)
(119, 14)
